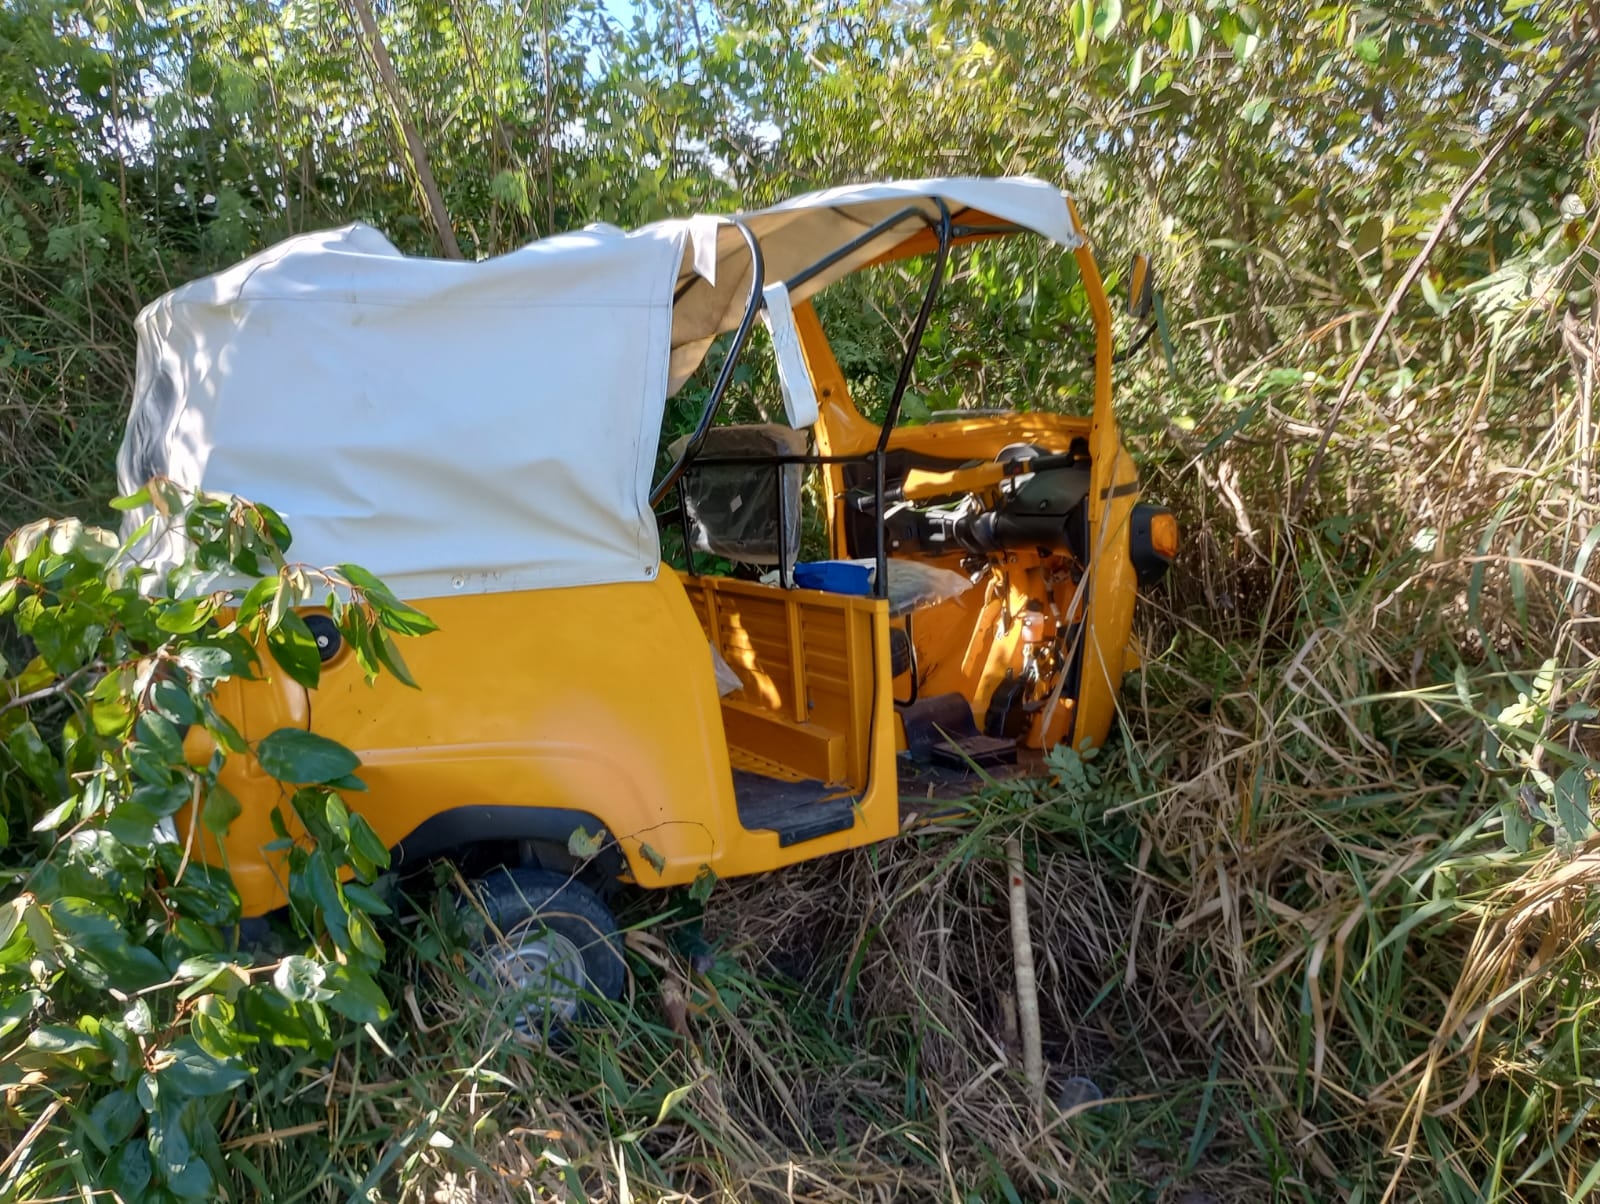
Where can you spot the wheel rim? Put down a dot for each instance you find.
(543, 970)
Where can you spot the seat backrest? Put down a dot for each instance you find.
(734, 509)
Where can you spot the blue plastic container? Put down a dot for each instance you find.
(835, 576)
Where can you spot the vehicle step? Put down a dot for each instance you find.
(796, 811)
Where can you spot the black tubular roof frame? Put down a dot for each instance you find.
(725, 375)
(914, 345)
(806, 275)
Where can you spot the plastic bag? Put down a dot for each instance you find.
(728, 682)
(913, 584)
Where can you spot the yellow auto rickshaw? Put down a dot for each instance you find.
(483, 436)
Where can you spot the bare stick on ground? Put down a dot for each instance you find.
(1027, 984)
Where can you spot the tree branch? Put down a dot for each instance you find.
(60, 686)
(389, 79)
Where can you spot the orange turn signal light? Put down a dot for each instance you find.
(1164, 535)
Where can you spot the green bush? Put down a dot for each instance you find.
(129, 1014)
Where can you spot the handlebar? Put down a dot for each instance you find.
(921, 484)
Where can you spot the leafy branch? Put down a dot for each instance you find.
(122, 978)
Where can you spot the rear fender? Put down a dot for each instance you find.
(463, 827)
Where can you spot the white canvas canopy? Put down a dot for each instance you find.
(449, 426)
(713, 288)
(481, 426)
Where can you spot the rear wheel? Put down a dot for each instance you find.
(545, 944)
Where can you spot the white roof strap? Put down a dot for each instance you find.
(799, 397)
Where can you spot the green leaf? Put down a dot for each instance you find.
(214, 1028)
(157, 731)
(219, 810)
(208, 662)
(299, 979)
(367, 843)
(258, 595)
(653, 856)
(60, 1040)
(11, 916)
(94, 933)
(165, 496)
(390, 656)
(14, 1011)
(1082, 22)
(66, 636)
(114, 1118)
(1515, 826)
(400, 618)
(356, 996)
(163, 799)
(672, 1097)
(367, 582)
(1524, 31)
(30, 755)
(56, 816)
(1255, 111)
(195, 1072)
(132, 824)
(294, 648)
(330, 902)
(1430, 294)
(173, 1133)
(1107, 18)
(276, 529)
(704, 883)
(1572, 803)
(172, 701)
(186, 616)
(300, 757)
(366, 899)
(1165, 332)
(132, 501)
(126, 1173)
(583, 845)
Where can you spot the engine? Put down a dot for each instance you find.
(1041, 511)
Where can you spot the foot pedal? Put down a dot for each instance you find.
(933, 720)
(986, 752)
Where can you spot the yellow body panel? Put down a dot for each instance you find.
(597, 699)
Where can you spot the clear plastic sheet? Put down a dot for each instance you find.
(913, 585)
(728, 682)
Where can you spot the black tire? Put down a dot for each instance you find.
(544, 928)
